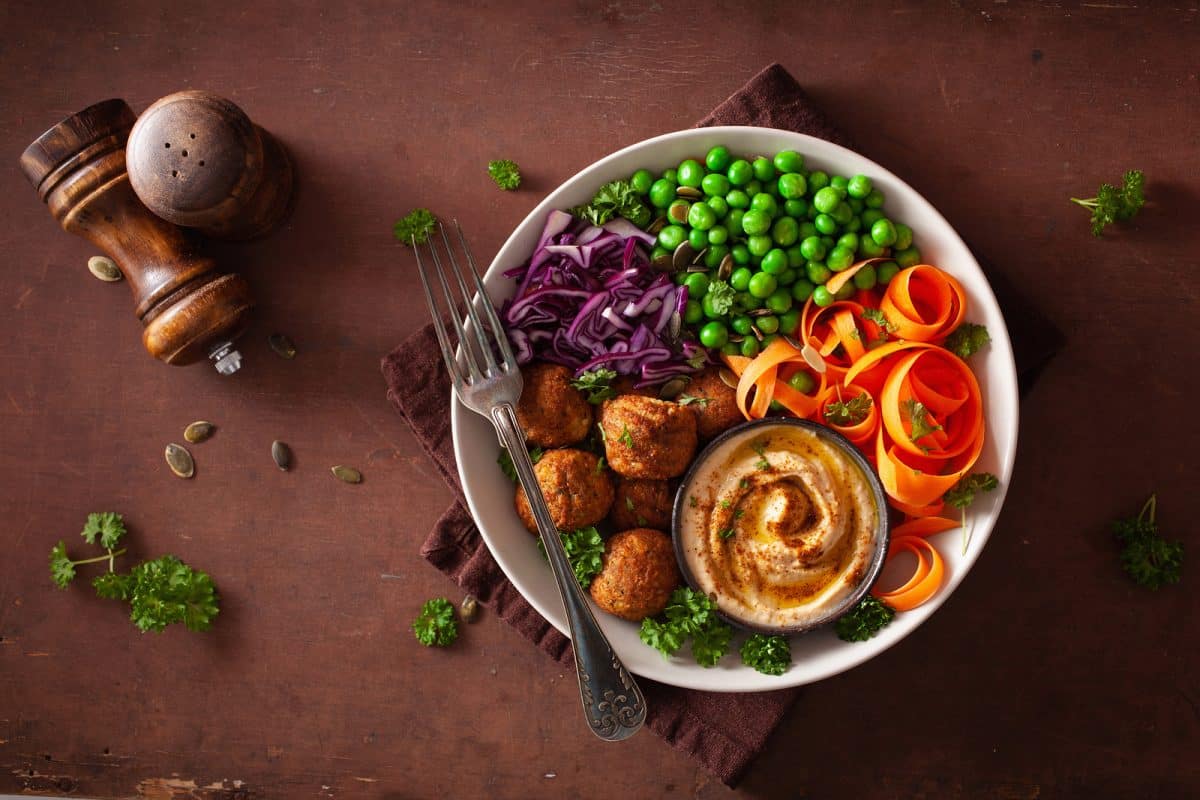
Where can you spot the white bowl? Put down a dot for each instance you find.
(818, 654)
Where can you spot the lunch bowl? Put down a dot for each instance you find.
(818, 654)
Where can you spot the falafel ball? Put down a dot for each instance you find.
(638, 576)
(578, 491)
(647, 438)
(715, 404)
(552, 412)
(641, 504)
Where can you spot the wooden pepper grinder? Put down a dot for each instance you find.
(189, 310)
(197, 160)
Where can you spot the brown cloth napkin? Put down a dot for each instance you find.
(724, 732)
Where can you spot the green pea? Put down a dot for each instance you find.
(803, 382)
(796, 257)
(748, 302)
(690, 173)
(807, 229)
(839, 258)
(826, 200)
(767, 324)
(785, 231)
(846, 292)
(718, 234)
(855, 204)
(789, 322)
(817, 181)
(641, 181)
(760, 245)
(849, 241)
(868, 249)
(740, 173)
(792, 185)
(658, 252)
(842, 214)
(672, 236)
(839, 182)
(904, 236)
(779, 301)
(765, 203)
(738, 199)
(718, 159)
(874, 199)
(697, 238)
(761, 285)
(870, 215)
(741, 255)
(774, 262)
(679, 278)
(741, 324)
(731, 349)
(866, 278)
(859, 186)
(764, 170)
(739, 279)
(788, 161)
(755, 222)
(706, 304)
(715, 255)
(795, 208)
(883, 232)
(701, 216)
(697, 285)
(802, 290)
(719, 206)
(853, 226)
(754, 187)
(886, 271)
(825, 223)
(734, 221)
(822, 296)
(908, 257)
(817, 272)
(787, 277)
(767, 341)
(750, 347)
(692, 312)
(662, 193)
(829, 242)
(715, 185)
(812, 248)
(671, 174)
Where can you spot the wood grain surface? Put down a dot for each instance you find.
(1046, 675)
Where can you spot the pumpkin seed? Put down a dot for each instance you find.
(696, 260)
(675, 325)
(657, 226)
(678, 214)
(696, 268)
(683, 256)
(728, 378)
(198, 431)
(346, 474)
(674, 387)
(282, 455)
(282, 346)
(761, 312)
(662, 262)
(468, 609)
(690, 192)
(104, 268)
(726, 268)
(736, 338)
(813, 356)
(180, 460)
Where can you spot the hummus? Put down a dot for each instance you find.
(779, 525)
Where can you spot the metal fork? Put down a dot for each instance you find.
(612, 702)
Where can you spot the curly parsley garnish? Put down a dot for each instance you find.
(770, 655)
(1111, 204)
(918, 416)
(865, 620)
(505, 173)
(585, 551)
(689, 614)
(1146, 557)
(967, 339)
(597, 383)
(510, 469)
(720, 297)
(962, 494)
(415, 228)
(848, 412)
(617, 198)
(877, 316)
(436, 626)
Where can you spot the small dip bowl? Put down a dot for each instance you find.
(762, 531)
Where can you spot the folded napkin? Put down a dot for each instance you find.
(723, 732)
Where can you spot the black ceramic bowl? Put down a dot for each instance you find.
(847, 448)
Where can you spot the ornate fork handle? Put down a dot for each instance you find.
(613, 703)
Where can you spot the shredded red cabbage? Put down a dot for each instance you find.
(589, 298)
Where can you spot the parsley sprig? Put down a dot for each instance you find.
(505, 173)
(615, 199)
(509, 468)
(967, 339)
(918, 416)
(848, 412)
(436, 626)
(1146, 556)
(962, 494)
(1111, 204)
(770, 655)
(415, 228)
(689, 615)
(866, 619)
(160, 592)
(720, 297)
(597, 383)
(585, 551)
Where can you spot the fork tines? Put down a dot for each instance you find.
(477, 356)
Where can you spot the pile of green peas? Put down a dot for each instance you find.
(775, 232)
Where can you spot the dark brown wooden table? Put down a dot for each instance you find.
(1046, 675)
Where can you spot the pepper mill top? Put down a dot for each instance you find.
(87, 136)
(197, 160)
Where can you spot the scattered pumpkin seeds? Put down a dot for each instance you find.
(672, 388)
(728, 378)
(282, 345)
(346, 474)
(469, 608)
(180, 460)
(104, 268)
(282, 455)
(198, 431)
